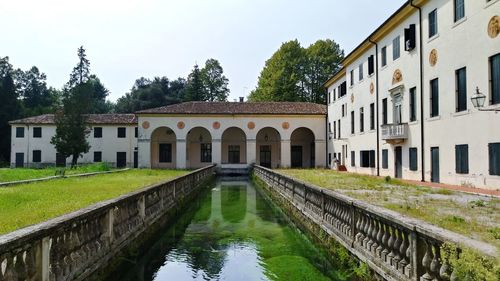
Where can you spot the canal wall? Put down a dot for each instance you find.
(393, 246)
(76, 245)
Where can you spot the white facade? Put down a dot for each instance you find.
(465, 42)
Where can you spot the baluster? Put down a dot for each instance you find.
(359, 228)
(10, 271)
(380, 234)
(367, 231)
(402, 252)
(390, 244)
(385, 243)
(395, 248)
(436, 262)
(426, 262)
(374, 233)
(20, 266)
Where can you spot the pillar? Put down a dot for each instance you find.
(216, 151)
(180, 154)
(144, 153)
(320, 153)
(251, 151)
(285, 154)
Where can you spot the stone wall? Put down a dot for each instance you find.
(395, 247)
(74, 246)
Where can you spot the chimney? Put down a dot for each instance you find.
(242, 99)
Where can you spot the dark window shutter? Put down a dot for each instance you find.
(494, 158)
(410, 38)
(371, 65)
(372, 158)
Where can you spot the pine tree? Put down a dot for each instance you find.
(195, 90)
(214, 81)
(81, 72)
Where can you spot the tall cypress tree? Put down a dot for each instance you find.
(9, 106)
(195, 90)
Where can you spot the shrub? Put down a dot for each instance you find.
(387, 179)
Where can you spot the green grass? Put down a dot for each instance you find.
(27, 204)
(8, 175)
(474, 216)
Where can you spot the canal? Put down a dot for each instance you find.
(231, 232)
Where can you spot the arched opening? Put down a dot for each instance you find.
(302, 148)
(163, 148)
(234, 146)
(198, 148)
(268, 147)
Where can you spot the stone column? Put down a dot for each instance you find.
(216, 151)
(144, 153)
(285, 154)
(180, 152)
(320, 153)
(251, 151)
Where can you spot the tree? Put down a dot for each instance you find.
(36, 97)
(214, 81)
(195, 90)
(297, 74)
(71, 123)
(81, 72)
(98, 96)
(9, 106)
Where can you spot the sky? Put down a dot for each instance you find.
(128, 39)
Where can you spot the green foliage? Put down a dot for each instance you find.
(387, 179)
(9, 106)
(81, 72)
(294, 73)
(17, 174)
(195, 90)
(214, 81)
(23, 205)
(469, 265)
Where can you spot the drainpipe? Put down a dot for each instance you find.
(421, 51)
(376, 105)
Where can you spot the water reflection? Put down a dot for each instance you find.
(230, 233)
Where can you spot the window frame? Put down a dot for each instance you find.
(458, 16)
(383, 54)
(494, 158)
(360, 72)
(361, 120)
(461, 153)
(97, 159)
(413, 158)
(384, 111)
(385, 158)
(122, 129)
(372, 116)
(20, 132)
(396, 48)
(37, 132)
(206, 152)
(165, 155)
(434, 98)
(353, 129)
(460, 94)
(433, 23)
(96, 134)
(413, 104)
(37, 159)
(494, 83)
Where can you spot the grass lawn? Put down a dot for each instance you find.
(474, 216)
(28, 204)
(8, 174)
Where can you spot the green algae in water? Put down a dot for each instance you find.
(231, 233)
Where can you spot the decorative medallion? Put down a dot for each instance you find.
(251, 125)
(145, 125)
(433, 57)
(285, 125)
(352, 98)
(494, 27)
(372, 88)
(216, 125)
(397, 77)
(181, 125)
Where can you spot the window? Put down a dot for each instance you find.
(334, 94)
(371, 64)
(413, 104)
(384, 55)
(361, 120)
(433, 25)
(37, 156)
(328, 98)
(360, 72)
(396, 48)
(234, 154)
(495, 79)
(352, 122)
(329, 127)
(461, 89)
(136, 132)
(37, 132)
(334, 129)
(372, 116)
(353, 157)
(122, 132)
(97, 132)
(385, 159)
(165, 153)
(459, 10)
(462, 159)
(343, 89)
(494, 158)
(410, 38)
(339, 129)
(97, 156)
(413, 159)
(19, 132)
(206, 153)
(352, 77)
(384, 111)
(434, 97)
(367, 158)
(343, 110)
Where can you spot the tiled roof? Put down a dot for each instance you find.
(92, 119)
(275, 108)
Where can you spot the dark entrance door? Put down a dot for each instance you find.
(60, 160)
(233, 154)
(296, 156)
(435, 164)
(265, 156)
(398, 162)
(19, 160)
(121, 159)
(136, 159)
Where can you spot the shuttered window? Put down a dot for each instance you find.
(384, 56)
(352, 122)
(360, 72)
(461, 89)
(462, 159)
(396, 48)
(353, 157)
(371, 65)
(459, 10)
(361, 119)
(37, 156)
(495, 79)
(413, 159)
(413, 104)
(384, 111)
(494, 158)
(97, 156)
(434, 97)
(385, 159)
(372, 116)
(433, 24)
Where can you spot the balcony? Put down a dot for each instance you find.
(395, 133)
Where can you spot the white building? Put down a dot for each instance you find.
(401, 104)
(189, 135)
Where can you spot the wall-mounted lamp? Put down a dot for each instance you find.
(478, 100)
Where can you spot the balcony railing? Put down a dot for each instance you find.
(395, 131)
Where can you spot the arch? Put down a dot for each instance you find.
(302, 144)
(234, 146)
(198, 148)
(268, 147)
(163, 148)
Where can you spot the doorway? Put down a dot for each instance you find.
(19, 160)
(398, 162)
(233, 154)
(136, 159)
(121, 159)
(60, 160)
(296, 156)
(397, 101)
(265, 156)
(434, 164)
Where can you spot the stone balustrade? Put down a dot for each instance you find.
(394, 246)
(74, 246)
